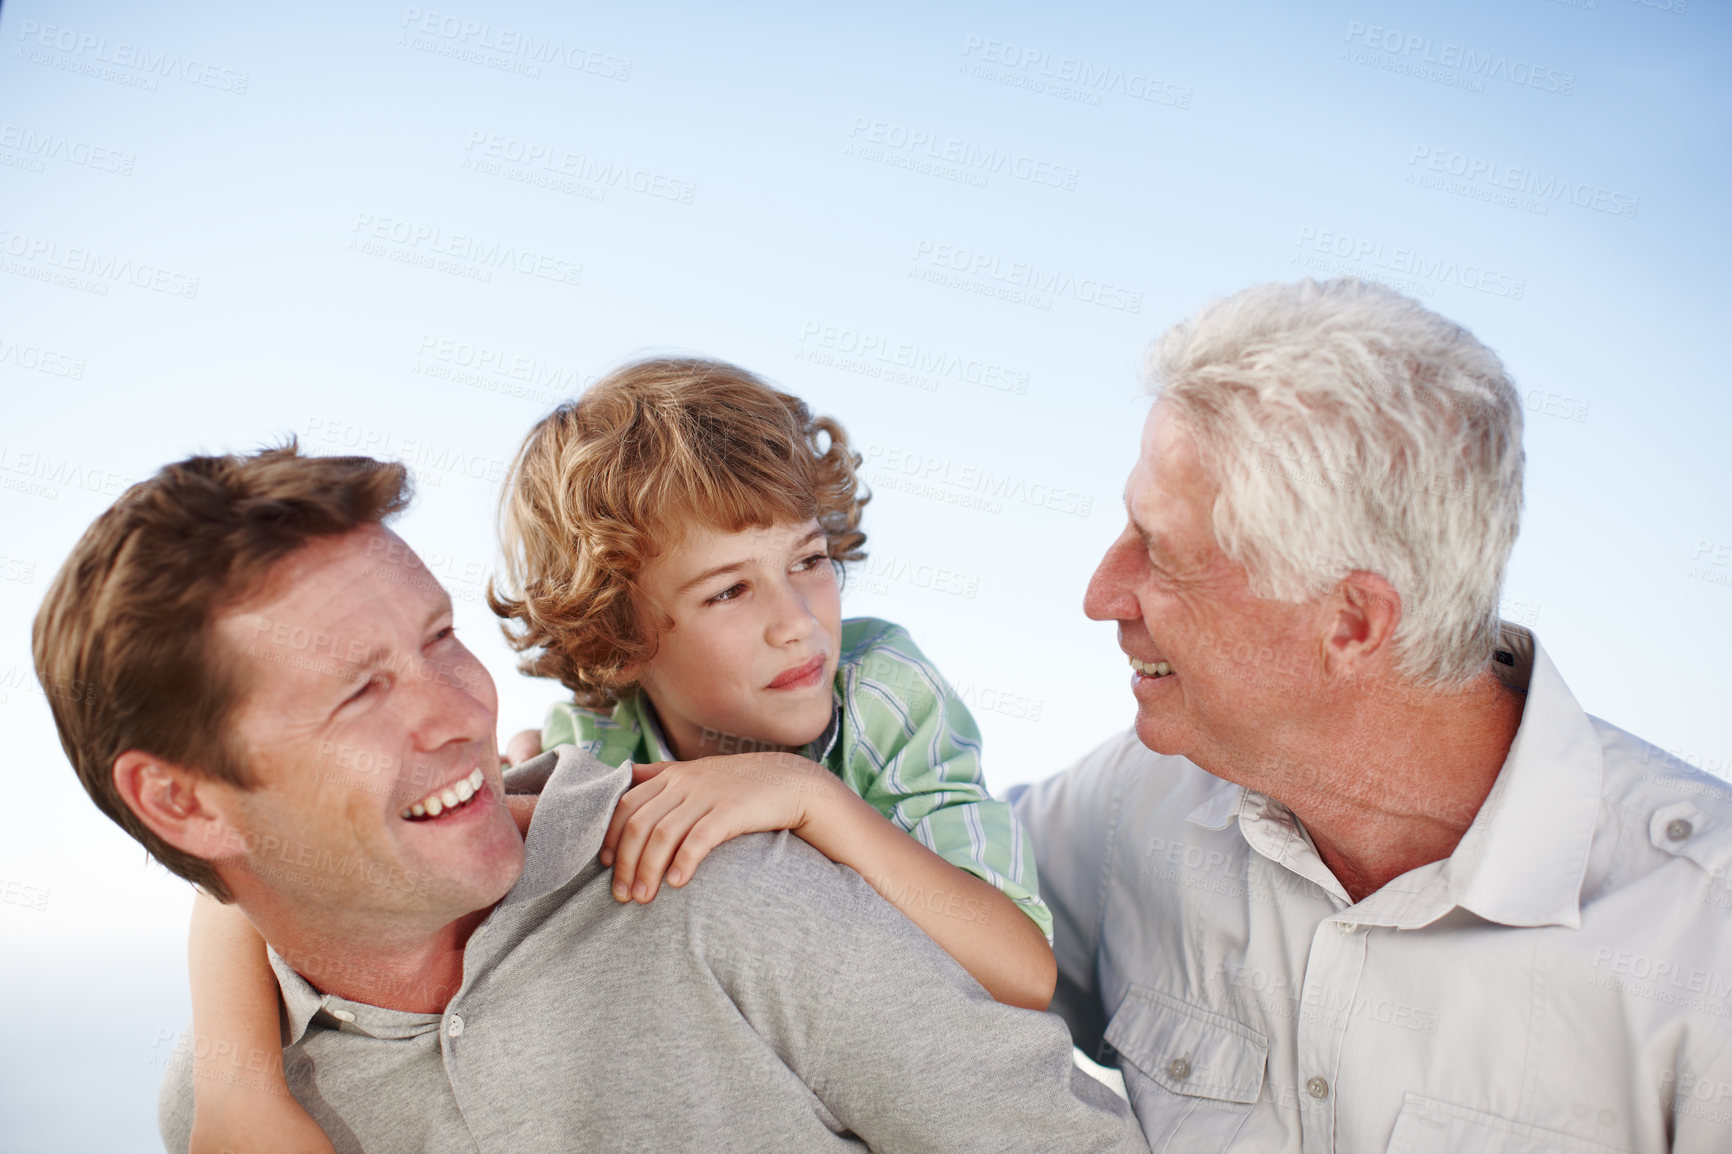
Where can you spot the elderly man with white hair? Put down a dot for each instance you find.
(1365, 876)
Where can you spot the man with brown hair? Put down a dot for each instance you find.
(284, 715)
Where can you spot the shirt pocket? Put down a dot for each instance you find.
(1428, 1126)
(1192, 1074)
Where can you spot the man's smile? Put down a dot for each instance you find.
(447, 798)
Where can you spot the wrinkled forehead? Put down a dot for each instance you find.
(336, 600)
(1169, 458)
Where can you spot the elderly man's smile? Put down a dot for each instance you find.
(1149, 670)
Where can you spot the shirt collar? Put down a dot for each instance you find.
(578, 794)
(638, 708)
(302, 1003)
(1523, 858)
(1522, 861)
(819, 750)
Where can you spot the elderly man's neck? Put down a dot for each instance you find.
(1386, 786)
(416, 968)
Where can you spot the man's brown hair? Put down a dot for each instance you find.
(607, 481)
(123, 642)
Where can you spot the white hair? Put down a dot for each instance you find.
(1349, 427)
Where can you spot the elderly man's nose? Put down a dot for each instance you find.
(1109, 595)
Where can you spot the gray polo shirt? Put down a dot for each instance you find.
(774, 1003)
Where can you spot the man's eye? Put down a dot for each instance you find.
(445, 634)
(728, 594)
(367, 686)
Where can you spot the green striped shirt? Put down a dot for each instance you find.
(899, 737)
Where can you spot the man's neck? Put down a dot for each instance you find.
(415, 970)
(1387, 786)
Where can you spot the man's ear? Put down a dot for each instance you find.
(1363, 612)
(181, 806)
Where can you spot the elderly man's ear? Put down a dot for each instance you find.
(1360, 619)
(181, 806)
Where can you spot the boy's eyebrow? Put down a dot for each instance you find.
(733, 565)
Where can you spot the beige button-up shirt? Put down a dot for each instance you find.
(1562, 982)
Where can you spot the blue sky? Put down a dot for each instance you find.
(411, 229)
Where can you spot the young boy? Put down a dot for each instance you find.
(672, 540)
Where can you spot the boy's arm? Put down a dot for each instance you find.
(680, 811)
(242, 1102)
(974, 921)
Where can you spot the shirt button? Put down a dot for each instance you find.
(343, 1015)
(1317, 1088)
(1678, 829)
(455, 1029)
(1347, 927)
(1178, 1069)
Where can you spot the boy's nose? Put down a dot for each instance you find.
(792, 619)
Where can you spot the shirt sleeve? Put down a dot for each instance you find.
(898, 1043)
(1072, 820)
(913, 753)
(562, 727)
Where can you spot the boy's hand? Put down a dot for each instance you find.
(522, 747)
(680, 810)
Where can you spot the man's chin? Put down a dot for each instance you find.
(479, 871)
(1159, 734)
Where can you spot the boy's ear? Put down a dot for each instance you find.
(179, 805)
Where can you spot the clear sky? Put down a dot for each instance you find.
(410, 230)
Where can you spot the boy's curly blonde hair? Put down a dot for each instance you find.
(606, 481)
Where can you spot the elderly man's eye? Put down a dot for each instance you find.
(372, 683)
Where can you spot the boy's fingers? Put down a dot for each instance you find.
(705, 835)
(629, 803)
(642, 773)
(633, 837)
(667, 837)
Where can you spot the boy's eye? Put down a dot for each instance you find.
(729, 593)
